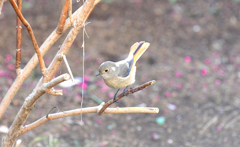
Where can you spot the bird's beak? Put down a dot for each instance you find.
(97, 74)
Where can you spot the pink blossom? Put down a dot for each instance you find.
(66, 91)
(179, 86)
(178, 74)
(219, 128)
(110, 94)
(64, 129)
(215, 54)
(98, 121)
(8, 57)
(167, 94)
(11, 66)
(188, 59)
(207, 61)
(83, 85)
(217, 82)
(2, 73)
(204, 72)
(157, 98)
(104, 89)
(78, 96)
(86, 78)
(98, 83)
(221, 72)
(204, 85)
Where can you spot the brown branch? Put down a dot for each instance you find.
(100, 112)
(34, 41)
(19, 39)
(83, 111)
(52, 38)
(63, 17)
(27, 107)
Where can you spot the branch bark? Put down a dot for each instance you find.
(19, 39)
(86, 110)
(27, 107)
(63, 17)
(30, 31)
(100, 112)
(52, 38)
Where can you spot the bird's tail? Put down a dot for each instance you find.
(137, 50)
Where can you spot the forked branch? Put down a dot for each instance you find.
(100, 112)
(52, 38)
(27, 107)
(30, 31)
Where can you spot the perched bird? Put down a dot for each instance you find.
(122, 73)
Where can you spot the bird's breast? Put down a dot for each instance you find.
(118, 82)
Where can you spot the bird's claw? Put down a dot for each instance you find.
(125, 91)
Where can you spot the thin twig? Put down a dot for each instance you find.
(100, 112)
(63, 17)
(68, 68)
(51, 110)
(34, 41)
(52, 38)
(19, 39)
(86, 110)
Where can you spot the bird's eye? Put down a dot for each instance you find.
(106, 70)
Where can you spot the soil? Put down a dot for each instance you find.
(194, 57)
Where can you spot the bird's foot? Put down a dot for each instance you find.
(115, 96)
(124, 91)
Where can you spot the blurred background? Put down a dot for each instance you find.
(194, 57)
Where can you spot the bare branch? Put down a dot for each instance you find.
(33, 97)
(27, 107)
(79, 23)
(54, 36)
(122, 95)
(34, 41)
(86, 110)
(63, 17)
(19, 39)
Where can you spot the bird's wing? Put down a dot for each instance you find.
(124, 67)
(135, 53)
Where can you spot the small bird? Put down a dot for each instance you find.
(122, 73)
